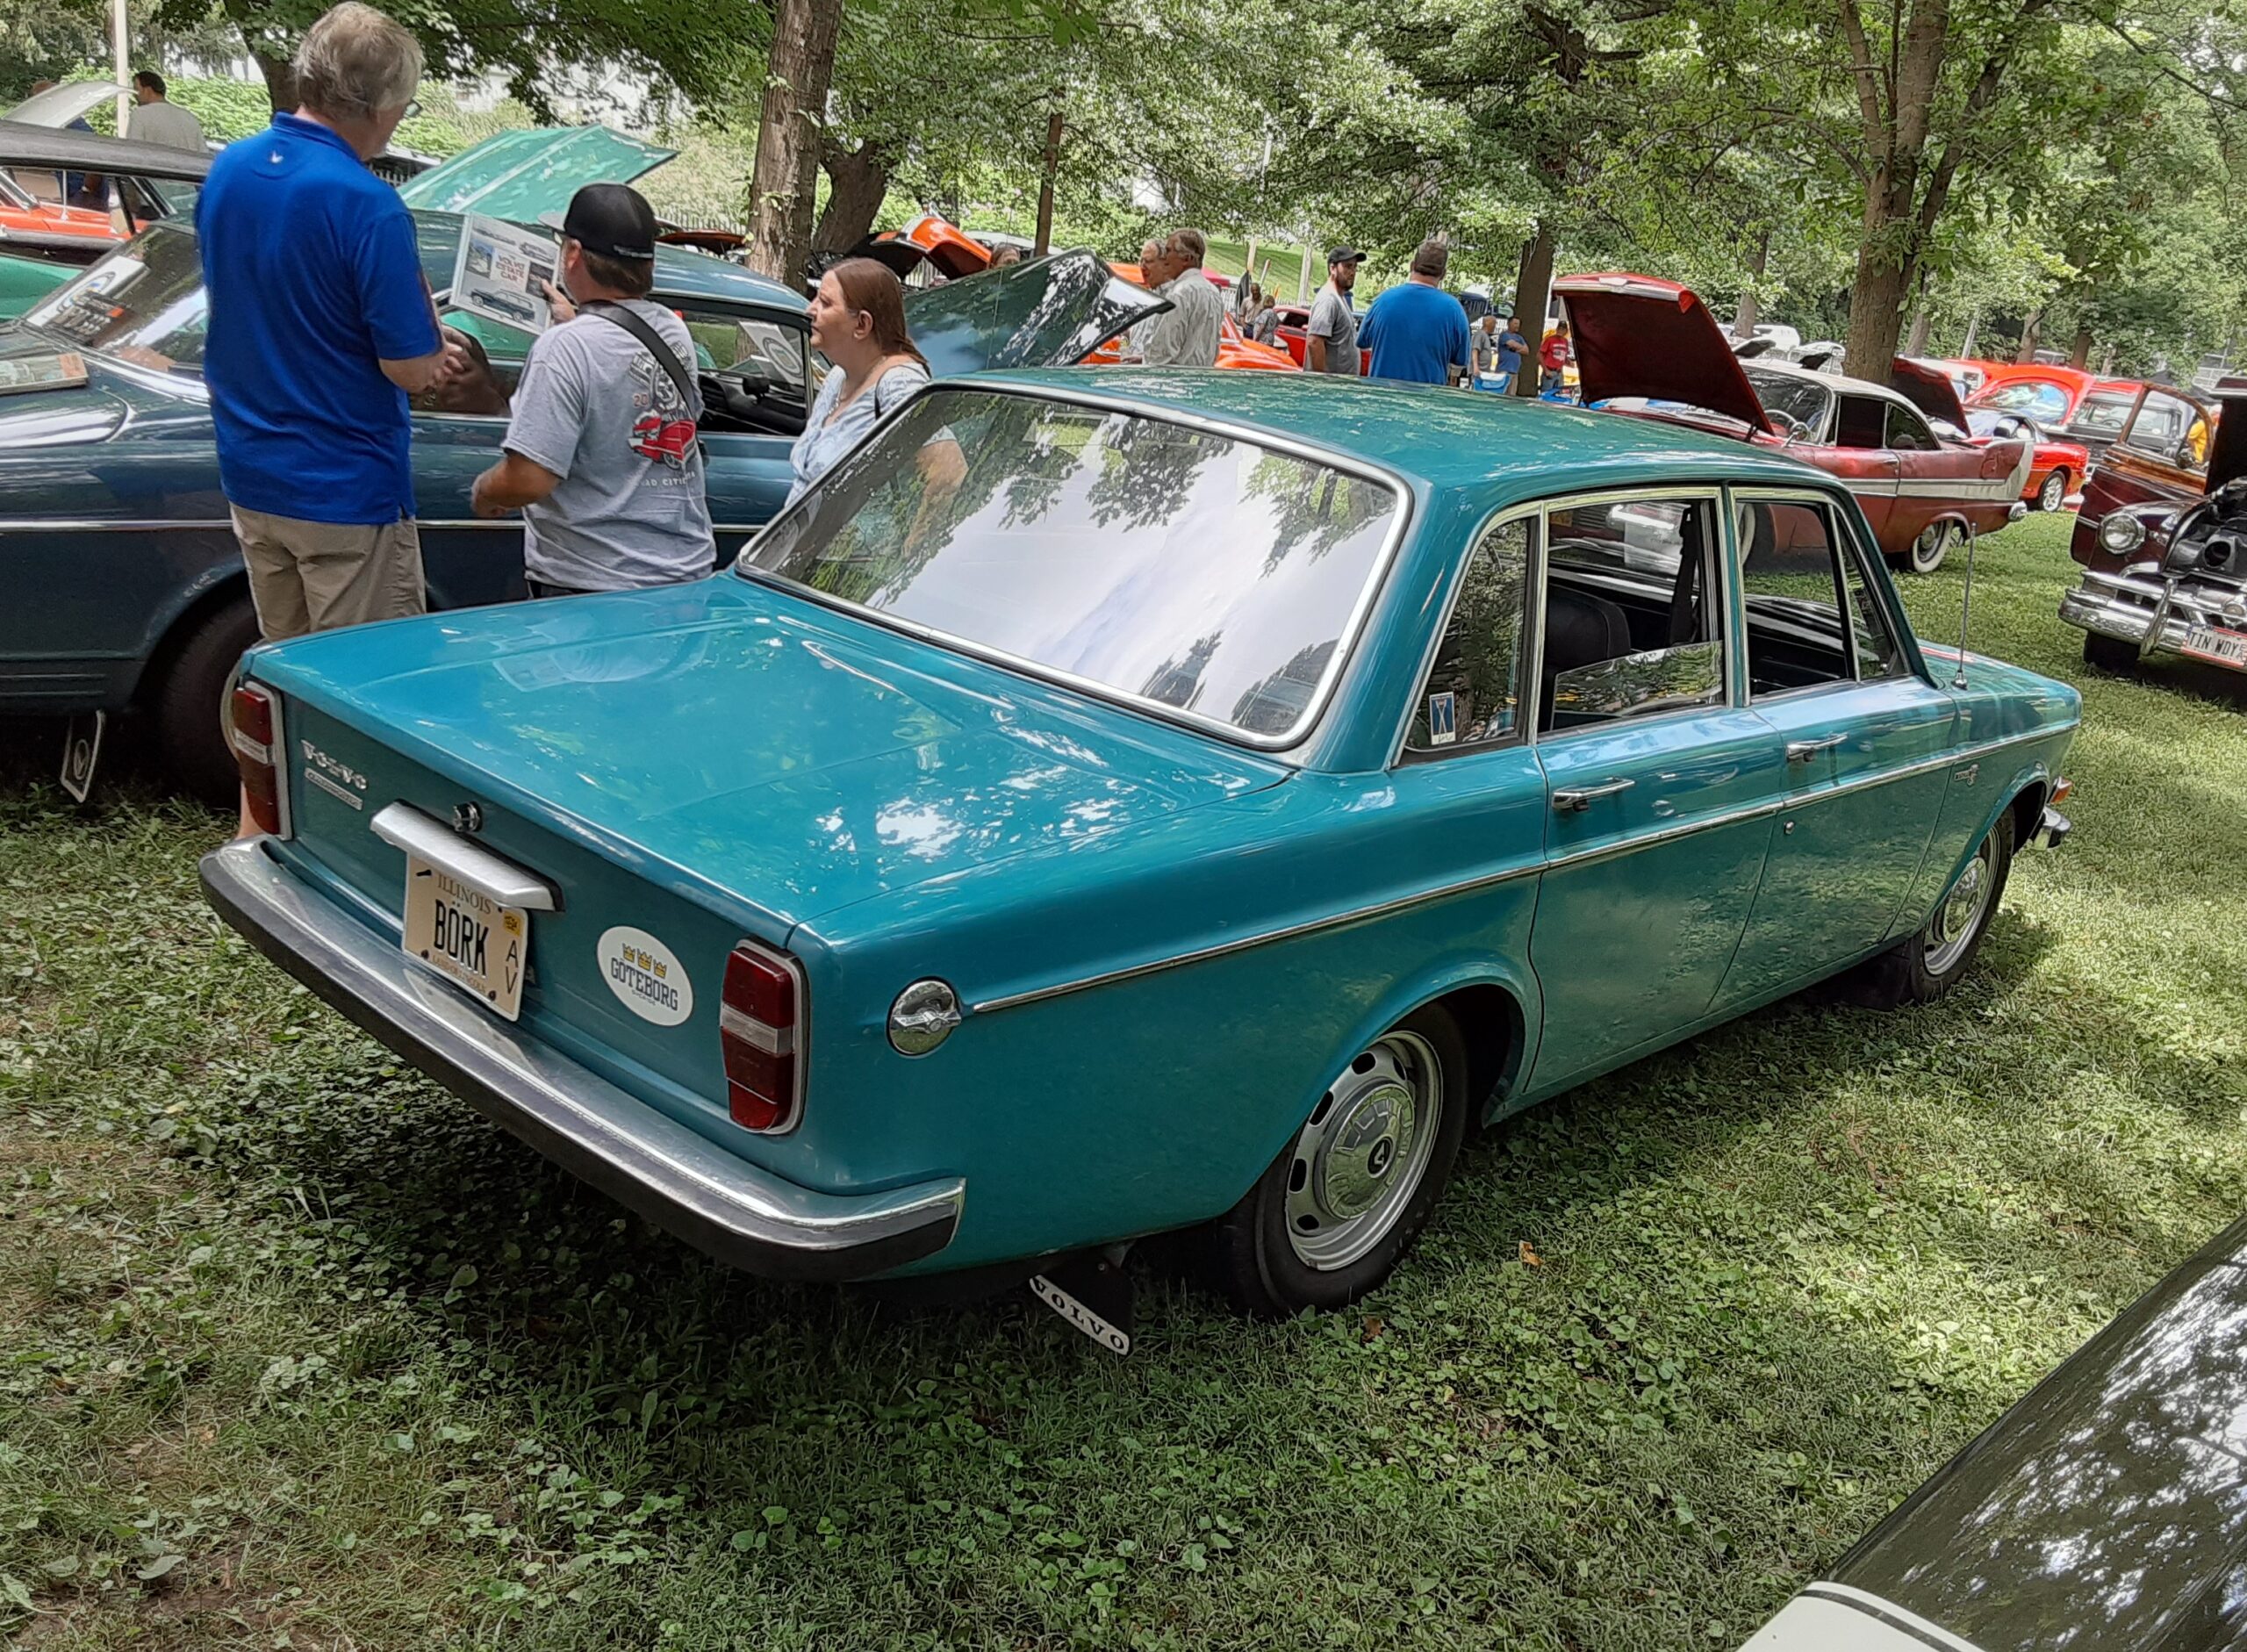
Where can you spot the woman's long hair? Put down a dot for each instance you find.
(875, 289)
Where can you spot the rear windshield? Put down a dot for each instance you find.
(1196, 571)
(1800, 399)
(2040, 398)
(143, 304)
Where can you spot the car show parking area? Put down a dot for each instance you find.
(296, 1349)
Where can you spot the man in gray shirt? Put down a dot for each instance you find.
(1330, 336)
(155, 119)
(601, 455)
(1187, 333)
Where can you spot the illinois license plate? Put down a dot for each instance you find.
(2209, 642)
(463, 933)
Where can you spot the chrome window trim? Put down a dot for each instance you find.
(111, 525)
(1346, 644)
(1442, 892)
(1817, 501)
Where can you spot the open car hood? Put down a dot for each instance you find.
(521, 174)
(1044, 312)
(60, 106)
(1929, 389)
(1638, 336)
(2228, 451)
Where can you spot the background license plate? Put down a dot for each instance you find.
(2226, 647)
(463, 933)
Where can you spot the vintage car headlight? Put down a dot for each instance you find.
(923, 1017)
(2121, 534)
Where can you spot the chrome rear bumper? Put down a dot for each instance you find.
(721, 1205)
(2142, 607)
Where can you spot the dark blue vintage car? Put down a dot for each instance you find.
(121, 586)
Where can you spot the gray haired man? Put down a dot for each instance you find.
(1187, 333)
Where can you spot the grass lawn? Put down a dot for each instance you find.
(294, 1350)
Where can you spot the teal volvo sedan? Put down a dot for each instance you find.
(1197, 810)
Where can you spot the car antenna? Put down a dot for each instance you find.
(1966, 607)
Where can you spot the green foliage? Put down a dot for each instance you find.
(298, 1350)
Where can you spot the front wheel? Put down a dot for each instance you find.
(1331, 1217)
(2054, 494)
(1928, 963)
(1932, 546)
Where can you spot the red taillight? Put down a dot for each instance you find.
(257, 754)
(760, 1027)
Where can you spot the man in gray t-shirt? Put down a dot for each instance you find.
(1330, 336)
(601, 455)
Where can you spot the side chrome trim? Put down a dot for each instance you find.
(1444, 891)
(1887, 1611)
(1346, 648)
(111, 524)
(404, 827)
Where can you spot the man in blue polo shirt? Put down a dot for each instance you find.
(1415, 330)
(321, 326)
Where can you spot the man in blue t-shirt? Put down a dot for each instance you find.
(321, 326)
(1417, 332)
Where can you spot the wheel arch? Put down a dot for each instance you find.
(1494, 1003)
(172, 635)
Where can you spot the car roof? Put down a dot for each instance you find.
(1499, 449)
(25, 144)
(680, 272)
(1833, 381)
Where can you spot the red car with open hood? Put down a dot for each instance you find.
(1650, 348)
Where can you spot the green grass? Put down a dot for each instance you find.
(294, 1350)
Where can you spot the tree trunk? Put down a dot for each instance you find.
(1532, 289)
(1743, 324)
(2028, 336)
(1876, 299)
(1916, 344)
(857, 181)
(2079, 357)
(783, 186)
(1973, 327)
(280, 80)
(1049, 167)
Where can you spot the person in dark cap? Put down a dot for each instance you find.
(1415, 330)
(1330, 339)
(601, 454)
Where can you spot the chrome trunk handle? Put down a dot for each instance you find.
(1574, 799)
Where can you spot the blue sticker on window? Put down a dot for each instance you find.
(1443, 720)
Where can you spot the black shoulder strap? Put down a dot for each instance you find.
(652, 340)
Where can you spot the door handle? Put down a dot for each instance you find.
(1803, 750)
(1574, 799)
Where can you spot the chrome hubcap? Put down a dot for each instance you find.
(1362, 1155)
(1931, 547)
(1960, 915)
(2055, 489)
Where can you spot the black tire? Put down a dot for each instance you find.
(2054, 494)
(188, 701)
(1250, 1253)
(2109, 653)
(1917, 970)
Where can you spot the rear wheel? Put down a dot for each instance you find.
(2109, 653)
(1932, 546)
(1925, 965)
(189, 702)
(2054, 494)
(1331, 1217)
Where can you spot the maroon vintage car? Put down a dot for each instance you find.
(1650, 348)
(2163, 536)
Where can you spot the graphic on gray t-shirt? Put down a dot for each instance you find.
(1332, 319)
(594, 408)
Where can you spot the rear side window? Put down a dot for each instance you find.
(1631, 620)
(1813, 616)
(1472, 695)
(1908, 433)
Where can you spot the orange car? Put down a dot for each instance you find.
(954, 253)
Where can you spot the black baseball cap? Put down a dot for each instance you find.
(1346, 256)
(611, 219)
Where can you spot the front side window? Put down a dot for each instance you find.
(1191, 569)
(1812, 617)
(2171, 429)
(1472, 695)
(1631, 622)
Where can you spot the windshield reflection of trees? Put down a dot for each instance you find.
(876, 526)
(2110, 1510)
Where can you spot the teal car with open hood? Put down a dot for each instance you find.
(1197, 810)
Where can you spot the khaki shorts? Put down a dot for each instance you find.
(316, 575)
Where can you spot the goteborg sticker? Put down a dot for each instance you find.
(643, 972)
